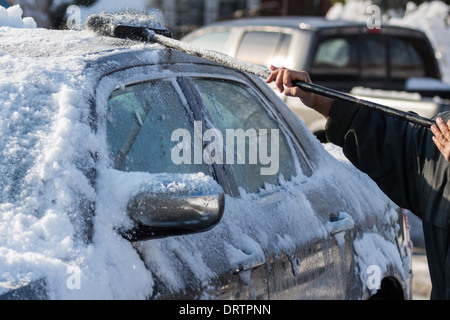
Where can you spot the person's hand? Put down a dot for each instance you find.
(441, 137)
(283, 80)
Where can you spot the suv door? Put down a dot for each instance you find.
(271, 241)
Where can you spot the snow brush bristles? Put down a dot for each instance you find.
(113, 24)
(150, 28)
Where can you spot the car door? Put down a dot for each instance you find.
(271, 243)
(300, 260)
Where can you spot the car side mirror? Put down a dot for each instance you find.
(174, 212)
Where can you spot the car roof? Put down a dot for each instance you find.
(39, 42)
(297, 22)
(289, 22)
(67, 51)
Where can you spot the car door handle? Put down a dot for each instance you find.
(339, 223)
(249, 264)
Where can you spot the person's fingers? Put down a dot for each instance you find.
(441, 137)
(444, 128)
(436, 131)
(284, 78)
(293, 92)
(279, 81)
(273, 75)
(444, 149)
(287, 79)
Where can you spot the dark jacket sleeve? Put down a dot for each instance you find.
(399, 156)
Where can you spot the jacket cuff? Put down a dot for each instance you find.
(339, 120)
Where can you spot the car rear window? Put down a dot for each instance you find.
(336, 56)
(406, 60)
(373, 57)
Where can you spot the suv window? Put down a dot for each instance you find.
(261, 152)
(264, 48)
(336, 57)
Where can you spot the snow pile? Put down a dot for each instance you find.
(12, 17)
(352, 10)
(431, 17)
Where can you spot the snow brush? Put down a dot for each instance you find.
(150, 28)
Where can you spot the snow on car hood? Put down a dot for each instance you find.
(46, 143)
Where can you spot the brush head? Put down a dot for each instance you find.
(130, 25)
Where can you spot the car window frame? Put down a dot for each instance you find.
(108, 82)
(290, 140)
(141, 74)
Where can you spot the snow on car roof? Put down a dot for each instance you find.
(55, 43)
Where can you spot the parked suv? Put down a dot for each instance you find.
(134, 171)
(339, 55)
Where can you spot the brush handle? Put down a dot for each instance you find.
(336, 95)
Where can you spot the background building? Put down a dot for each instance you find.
(183, 16)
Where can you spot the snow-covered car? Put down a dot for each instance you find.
(135, 171)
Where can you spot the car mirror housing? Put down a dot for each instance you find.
(158, 214)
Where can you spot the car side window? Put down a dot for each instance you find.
(335, 56)
(264, 48)
(215, 41)
(258, 150)
(140, 123)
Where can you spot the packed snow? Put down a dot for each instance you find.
(47, 142)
